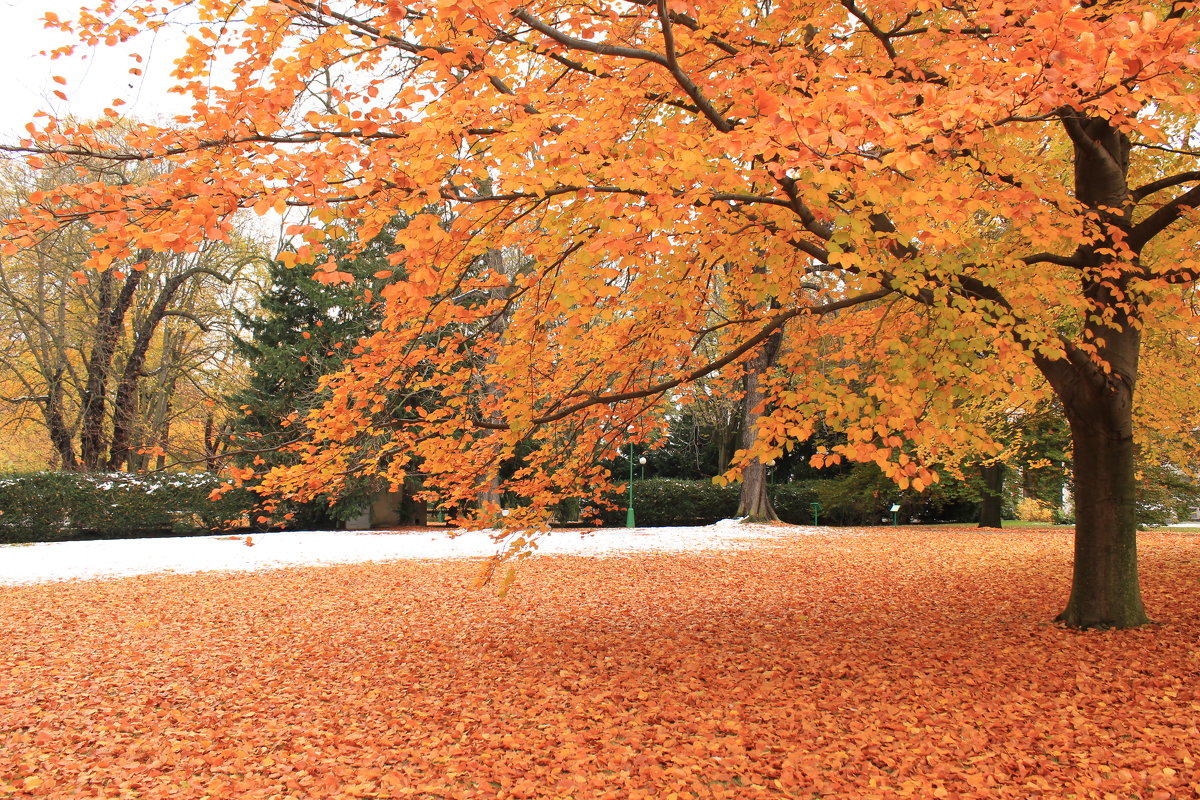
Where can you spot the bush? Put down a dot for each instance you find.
(862, 496)
(793, 501)
(1030, 509)
(665, 502)
(58, 506)
(1061, 516)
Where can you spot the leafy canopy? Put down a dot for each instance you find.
(891, 180)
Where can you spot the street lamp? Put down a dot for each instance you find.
(629, 523)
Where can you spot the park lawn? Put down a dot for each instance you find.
(839, 664)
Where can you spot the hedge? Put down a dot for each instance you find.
(666, 502)
(59, 506)
(859, 497)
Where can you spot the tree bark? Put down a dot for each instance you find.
(1105, 590)
(490, 493)
(214, 442)
(991, 503)
(125, 399)
(753, 502)
(110, 321)
(1096, 386)
(60, 434)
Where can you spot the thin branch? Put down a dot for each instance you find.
(1156, 223)
(1162, 148)
(691, 23)
(861, 16)
(1150, 188)
(772, 324)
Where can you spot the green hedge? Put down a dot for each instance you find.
(793, 501)
(667, 502)
(58, 506)
(862, 496)
(663, 502)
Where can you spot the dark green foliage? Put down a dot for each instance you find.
(793, 501)
(692, 448)
(861, 496)
(58, 506)
(305, 329)
(661, 502)
(1163, 495)
(864, 496)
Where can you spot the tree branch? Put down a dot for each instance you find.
(772, 324)
(1156, 223)
(1150, 188)
(686, 83)
(599, 48)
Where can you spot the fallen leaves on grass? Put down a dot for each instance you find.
(846, 664)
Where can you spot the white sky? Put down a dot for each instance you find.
(94, 78)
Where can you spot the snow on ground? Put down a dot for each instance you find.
(53, 561)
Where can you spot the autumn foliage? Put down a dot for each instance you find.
(944, 210)
(844, 664)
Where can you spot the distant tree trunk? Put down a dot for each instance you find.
(489, 492)
(60, 434)
(213, 441)
(125, 400)
(753, 502)
(162, 426)
(125, 405)
(110, 321)
(160, 461)
(723, 445)
(991, 502)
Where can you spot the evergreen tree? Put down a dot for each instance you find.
(304, 329)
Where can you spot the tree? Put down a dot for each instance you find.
(1015, 180)
(83, 347)
(301, 331)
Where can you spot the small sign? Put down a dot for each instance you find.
(895, 507)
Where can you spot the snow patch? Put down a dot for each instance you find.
(56, 561)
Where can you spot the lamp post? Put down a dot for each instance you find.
(629, 523)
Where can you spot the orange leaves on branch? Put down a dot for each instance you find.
(605, 210)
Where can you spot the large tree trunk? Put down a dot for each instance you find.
(1105, 590)
(1096, 383)
(753, 502)
(991, 504)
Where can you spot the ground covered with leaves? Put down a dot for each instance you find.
(842, 664)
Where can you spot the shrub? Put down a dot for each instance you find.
(1062, 516)
(665, 502)
(862, 496)
(1030, 509)
(57, 506)
(793, 501)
